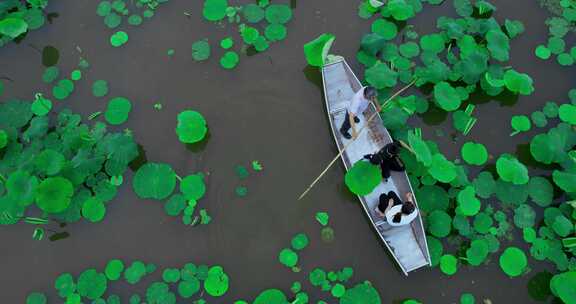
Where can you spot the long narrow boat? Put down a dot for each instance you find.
(407, 243)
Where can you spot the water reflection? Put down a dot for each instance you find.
(199, 146)
(138, 161)
(50, 56)
(313, 75)
(539, 286)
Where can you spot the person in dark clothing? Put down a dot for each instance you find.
(388, 159)
(396, 212)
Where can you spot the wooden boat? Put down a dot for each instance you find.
(407, 243)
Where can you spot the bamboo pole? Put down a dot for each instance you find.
(351, 141)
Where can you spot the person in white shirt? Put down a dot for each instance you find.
(357, 106)
(396, 212)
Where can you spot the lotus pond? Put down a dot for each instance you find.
(152, 151)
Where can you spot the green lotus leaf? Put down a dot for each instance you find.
(567, 113)
(192, 186)
(113, 270)
(439, 223)
(54, 194)
(229, 60)
(563, 285)
(299, 241)
(171, 275)
(520, 123)
(400, 10)
(118, 39)
(433, 43)
(41, 106)
(565, 180)
(92, 284)
(217, 282)
(524, 216)
(322, 218)
(317, 50)
(253, 13)
(513, 28)
(100, 88)
(474, 153)
(201, 49)
(271, 296)
(381, 76)
(249, 34)
(384, 28)
(93, 210)
(227, 43)
(540, 191)
(448, 264)
(191, 127)
(104, 8)
(468, 204)
(187, 288)
(118, 110)
(278, 13)
(135, 272)
(539, 119)
(463, 8)
(478, 252)
(15, 113)
(214, 10)
(363, 293)
(159, 293)
(513, 261)
(275, 32)
(36, 298)
(498, 45)
(13, 27)
(442, 169)
(288, 257)
(511, 170)
(175, 205)
(154, 180)
(362, 178)
(446, 96)
(519, 83)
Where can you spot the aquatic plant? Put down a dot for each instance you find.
(19, 17)
(191, 127)
(362, 178)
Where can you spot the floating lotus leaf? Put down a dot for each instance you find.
(513, 28)
(53, 195)
(550, 109)
(188, 288)
(373, 43)
(275, 32)
(278, 13)
(317, 49)
(498, 45)
(524, 216)
(214, 10)
(446, 96)
(432, 198)
(539, 119)
(565, 180)
(384, 28)
(65, 285)
(511, 170)
(463, 8)
(229, 60)
(468, 204)
(299, 241)
(13, 27)
(135, 272)
(562, 226)
(21, 187)
(442, 169)
(400, 9)
(118, 39)
(114, 269)
(217, 282)
(3, 139)
(513, 261)
(253, 13)
(542, 52)
(191, 127)
(271, 296)
(175, 205)
(567, 113)
(540, 191)
(433, 43)
(439, 223)
(327, 234)
(322, 218)
(154, 180)
(112, 20)
(520, 123)
(41, 106)
(15, 113)
(448, 264)
(317, 277)
(201, 49)
(171, 275)
(519, 83)
(565, 59)
(420, 148)
(478, 252)
(227, 43)
(192, 186)
(409, 49)
(249, 34)
(118, 110)
(135, 20)
(436, 250)
(288, 257)
(474, 153)
(363, 293)
(563, 285)
(362, 178)
(92, 284)
(482, 223)
(50, 74)
(93, 210)
(546, 148)
(381, 76)
(100, 88)
(36, 298)
(159, 293)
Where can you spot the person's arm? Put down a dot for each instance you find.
(409, 197)
(352, 124)
(390, 205)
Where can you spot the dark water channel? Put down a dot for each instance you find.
(265, 110)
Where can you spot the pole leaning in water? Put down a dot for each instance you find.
(351, 141)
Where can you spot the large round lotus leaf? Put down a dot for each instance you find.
(468, 204)
(546, 148)
(381, 76)
(400, 10)
(563, 285)
(498, 44)
(524, 216)
(448, 264)
(338, 290)
(519, 83)
(482, 223)
(114, 269)
(539, 119)
(474, 153)
(565, 180)
(420, 148)
(135, 272)
(100, 88)
(261, 44)
(119, 38)
(439, 223)
(93, 210)
(112, 20)
(433, 43)
(288, 257)
(512, 170)
(191, 127)
(249, 34)
(436, 250)
(253, 13)
(513, 261)
(13, 27)
(446, 96)
(478, 252)
(317, 277)
(299, 241)
(15, 113)
(275, 32)
(562, 226)
(278, 13)
(442, 169)
(520, 123)
(175, 205)
(50, 74)
(200, 50)
(154, 180)
(192, 186)
(36, 298)
(188, 288)
(511, 194)
(317, 50)
(271, 296)
(92, 284)
(432, 198)
(229, 60)
(216, 284)
(363, 293)
(362, 178)
(117, 110)
(41, 106)
(567, 113)
(159, 293)
(542, 52)
(214, 10)
(53, 195)
(171, 275)
(21, 187)
(540, 191)
(384, 28)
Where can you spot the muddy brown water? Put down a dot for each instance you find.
(266, 110)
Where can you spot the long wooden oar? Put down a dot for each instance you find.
(351, 141)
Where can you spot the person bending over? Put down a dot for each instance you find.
(357, 106)
(388, 159)
(396, 212)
